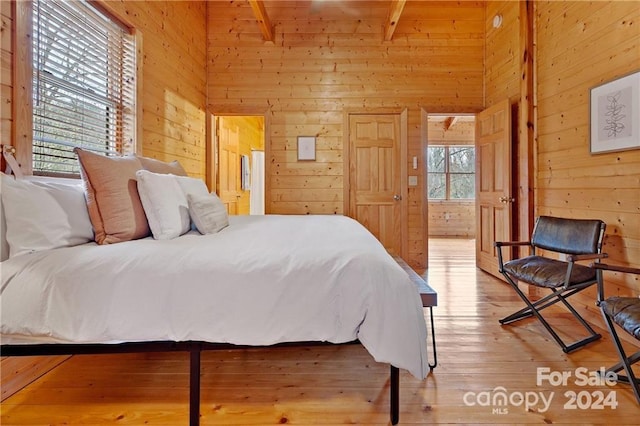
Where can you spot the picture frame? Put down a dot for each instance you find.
(306, 148)
(614, 109)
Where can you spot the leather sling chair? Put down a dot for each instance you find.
(625, 312)
(576, 240)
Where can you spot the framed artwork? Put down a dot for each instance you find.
(615, 115)
(306, 148)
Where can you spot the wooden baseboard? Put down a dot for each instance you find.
(18, 372)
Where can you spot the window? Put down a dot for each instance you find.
(451, 172)
(83, 85)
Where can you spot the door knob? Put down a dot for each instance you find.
(507, 200)
(397, 197)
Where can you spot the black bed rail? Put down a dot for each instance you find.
(194, 348)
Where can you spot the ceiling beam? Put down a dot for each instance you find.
(395, 10)
(263, 19)
(449, 122)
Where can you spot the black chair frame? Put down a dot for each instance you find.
(576, 239)
(609, 308)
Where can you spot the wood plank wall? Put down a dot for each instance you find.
(6, 72)
(174, 102)
(331, 60)
(581, 45)
(174, 37)
(451, 218)
(578, 45)
(502, 58)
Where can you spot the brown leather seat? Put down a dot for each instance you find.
(550, 273)
(625, 312)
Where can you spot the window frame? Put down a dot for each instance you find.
(447, 173)
(22, 132)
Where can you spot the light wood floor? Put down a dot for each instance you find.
(343, 385)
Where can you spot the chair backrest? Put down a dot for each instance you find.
(571, 236)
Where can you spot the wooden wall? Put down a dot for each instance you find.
(174, 58)
(502, 58)
(577, 45)
(581, 45)
(451, 218)
(332, 60)
(6, 72)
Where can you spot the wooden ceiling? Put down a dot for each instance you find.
(448, 121)
(266, 28)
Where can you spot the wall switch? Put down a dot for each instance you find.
(413, 180)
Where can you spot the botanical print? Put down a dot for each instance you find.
(615, 118)
(615, 115)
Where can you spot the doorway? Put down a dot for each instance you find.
(238, 147)
(450, 162)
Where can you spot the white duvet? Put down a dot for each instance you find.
(262, 280)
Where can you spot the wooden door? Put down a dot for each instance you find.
(228, 164)
(494, 199)
(375, 186)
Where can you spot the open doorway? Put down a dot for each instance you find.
(450, 191)
(240, 163)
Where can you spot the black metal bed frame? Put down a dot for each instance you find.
(194, 348)
(428, 296)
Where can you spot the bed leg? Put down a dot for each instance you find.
(194, 387)
(433, 342)
(394, 404)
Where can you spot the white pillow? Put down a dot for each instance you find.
(208, 213)
(192, 186)
(164, 204)
(44, 215)
(164, 198)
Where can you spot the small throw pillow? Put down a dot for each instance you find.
(208, 213)
(43, 216)
(157, 166)
(112, 197)
(164, 203)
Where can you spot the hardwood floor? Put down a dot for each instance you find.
(344, 385)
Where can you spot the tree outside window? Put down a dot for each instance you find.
(451, 172)
(83, 80)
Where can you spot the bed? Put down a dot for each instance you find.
(261, 281)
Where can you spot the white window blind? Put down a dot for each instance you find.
(83, 85)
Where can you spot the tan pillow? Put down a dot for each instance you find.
(113, 202)
(157, 166)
